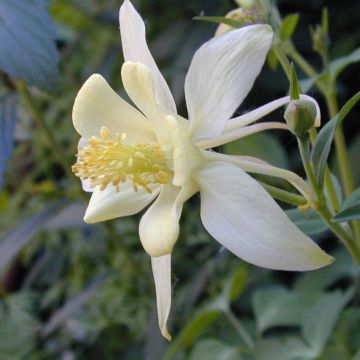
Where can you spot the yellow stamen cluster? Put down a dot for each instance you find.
(105, 161)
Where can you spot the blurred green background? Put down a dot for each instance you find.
(74, 291)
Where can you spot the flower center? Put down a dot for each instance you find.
(105, 161)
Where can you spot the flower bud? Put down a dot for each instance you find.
(300, 116)
(244, 16)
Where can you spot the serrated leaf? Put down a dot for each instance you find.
(27, 43)
(279, 306)
(350, 210)
(219, 20)
(288, 26)
(308, 221)
(321, 150)
(13, 241)
(340, 64)
(8, 116)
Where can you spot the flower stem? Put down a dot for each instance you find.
(285, 196)
(41, 123)
(248, 340)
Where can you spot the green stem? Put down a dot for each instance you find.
(41, 123)
(248, 340)
(283, 60)
(285, 196)
(324, 212)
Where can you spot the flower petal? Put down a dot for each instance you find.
(161, 268)
(108, 204)
(260, 112)
(159, 226)
(97, 105)
(221, 74)
(139, 85)
(243, 217)
(135, 49)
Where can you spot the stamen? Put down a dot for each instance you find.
(105, 161)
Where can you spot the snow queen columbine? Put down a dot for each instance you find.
(130, 158)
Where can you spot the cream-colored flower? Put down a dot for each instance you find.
(130, 158)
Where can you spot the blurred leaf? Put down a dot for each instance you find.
(354, 152)
(321, 150)
(13, 241)
(342, 267)
(71, 215)
(357, 356)
(272, 60)
(8, 116)
(289, 348)
(71, 306)
(258, 145)
(27, 43)
(195, 327)
(214, 350)
(307, 221)
(288, 26)
(281, 307)
(18, 325)
(219, 20)
(319, 321)
(340, 64)
(350, 210)
(238, 282)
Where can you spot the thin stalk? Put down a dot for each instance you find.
(248, 340)
(41, 123)
(285, 196)
(283, 60)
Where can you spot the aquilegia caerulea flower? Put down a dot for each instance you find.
(130, 158)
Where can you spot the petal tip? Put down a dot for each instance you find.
(165, 333)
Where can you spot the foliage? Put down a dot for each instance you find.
(77, 291)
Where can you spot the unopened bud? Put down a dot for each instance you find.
(300, 116)
(243, 16)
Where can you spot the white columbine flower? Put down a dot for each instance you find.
(130, 158)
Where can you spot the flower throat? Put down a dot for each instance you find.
(104, 161)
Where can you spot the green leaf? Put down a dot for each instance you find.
(272, 60)
(325, 138)
(319, 321)
(288, 26)
(8, 116)
(340, 64)
(350, 210)
(218, 19)
(294, 86)
(27, 43)
(308, 221)
(278, 306)
(214, 350)
(238, 282)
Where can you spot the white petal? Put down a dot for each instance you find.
(262, 111)
(85, 183)
(97, 105)
(228, 136)
(135, 49)
(243, 217)
(161, 267)
(139, 85)
(258, 166)
(221, 74)
(108, 204)
(159, 227)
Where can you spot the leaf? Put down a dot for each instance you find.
(8, 117)
(340, 64)
(27, 43)
(211, 349)
(277, 306)
(71, 306)
(350, 210)
(218, 19)
(321, 318)
(13, 241)
(325, 138)
(238, 282)
(288, 26)
(308, 221)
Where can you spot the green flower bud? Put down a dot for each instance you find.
(300, 116)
